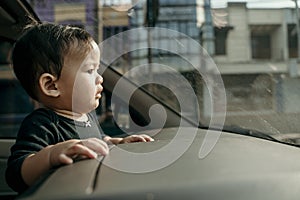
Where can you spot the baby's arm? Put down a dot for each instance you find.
(37, 164)
(129, 139)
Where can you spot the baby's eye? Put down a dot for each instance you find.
(90, 71)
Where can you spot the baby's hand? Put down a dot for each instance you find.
(65, 152)
(137, 138)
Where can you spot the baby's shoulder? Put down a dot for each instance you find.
(41, 123)
(41, 115)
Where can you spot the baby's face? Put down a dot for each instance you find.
(80, 82)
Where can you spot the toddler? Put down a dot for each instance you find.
(57, 66)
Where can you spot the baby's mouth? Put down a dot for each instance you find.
(98, 95)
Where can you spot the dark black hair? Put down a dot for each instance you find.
(42, 49)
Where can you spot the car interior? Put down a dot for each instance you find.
(11, 24)
(13, 17)
(243, 164)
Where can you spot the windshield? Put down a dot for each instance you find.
(247, 44)
(235, 62)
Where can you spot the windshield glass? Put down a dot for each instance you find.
(236, 62)
(253, 49)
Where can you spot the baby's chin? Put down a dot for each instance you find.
(89, 109)
(96, 104)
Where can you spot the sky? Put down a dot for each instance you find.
(256, 3)
(223, 3)
(250, 4)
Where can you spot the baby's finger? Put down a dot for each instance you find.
(64, 159)
(138, 138)
(96, 145)
(148, 138)
(80, 149)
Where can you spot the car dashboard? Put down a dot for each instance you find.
(238, 167)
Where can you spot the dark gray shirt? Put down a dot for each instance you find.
(41, 128)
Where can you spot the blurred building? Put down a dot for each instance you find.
(255, 35)
(258, 46)
(175, 15)
(76, 12)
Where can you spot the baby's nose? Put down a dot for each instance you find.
(99, 79)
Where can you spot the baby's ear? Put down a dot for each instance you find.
(48, 85)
